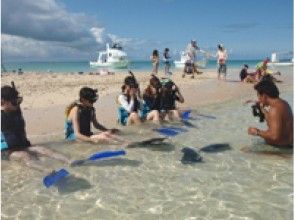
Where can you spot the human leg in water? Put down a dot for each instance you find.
(26, 158)
(49, 153)
(134, 119)
(174, 115)
(153, 116)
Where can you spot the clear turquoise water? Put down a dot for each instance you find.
(85, 67)
(152, 183)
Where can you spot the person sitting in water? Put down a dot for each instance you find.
(278, 115)
(79, 116)
(130, 102)
(263, 72)
(245, 76)
(152, 98)
(169, 95)
(15, 145)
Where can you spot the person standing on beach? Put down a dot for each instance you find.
(222, 57)
(166, 58)
(278, 115)
(191, 52)
(79, 116)
(155, 61)
(14, 143)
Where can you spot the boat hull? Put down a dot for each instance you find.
(281, 64)
(118, 65)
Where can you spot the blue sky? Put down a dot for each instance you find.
(74, 29)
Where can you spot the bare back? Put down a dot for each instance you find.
(282, 119)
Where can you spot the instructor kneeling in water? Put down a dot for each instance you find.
(80, 115)
(278, 115)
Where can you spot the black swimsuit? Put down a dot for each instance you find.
(13, 130)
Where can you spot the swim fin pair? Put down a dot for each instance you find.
(56, 176)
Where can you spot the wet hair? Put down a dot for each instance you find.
(131, 81)
(155, 53)
(88, 94)
(246, 66)
(268, 88)
(220, 47)
(155, 82)
(9, 93)
(166, 49)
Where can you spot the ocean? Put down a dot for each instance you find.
(83, 66)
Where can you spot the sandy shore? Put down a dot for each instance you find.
(47, 94)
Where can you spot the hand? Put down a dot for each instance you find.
(102, 137)
(252, 131)
(133, 92)
(175, 88)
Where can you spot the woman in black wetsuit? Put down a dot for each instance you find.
(14, 142)
(152, 98)
(81, 114)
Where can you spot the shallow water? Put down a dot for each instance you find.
(151, 183)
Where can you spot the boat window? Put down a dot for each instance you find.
(110, 54)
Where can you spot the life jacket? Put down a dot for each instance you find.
(152, 102)
(85, 116)
(13, 130)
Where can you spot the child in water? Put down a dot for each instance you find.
(80, 115)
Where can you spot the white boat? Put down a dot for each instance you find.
(276, 62)
(201, 64)
(113, 57)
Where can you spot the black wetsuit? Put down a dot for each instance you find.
(13, 130)
(168, 100)
(85, 116)
(153, 102)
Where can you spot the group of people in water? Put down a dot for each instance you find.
(260, 72)
(156, 104)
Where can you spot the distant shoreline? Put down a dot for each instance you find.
(83, 66)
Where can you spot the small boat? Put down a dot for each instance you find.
(113, 57)
(201, 64)
(276, 62)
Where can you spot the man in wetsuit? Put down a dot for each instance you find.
(278, 115)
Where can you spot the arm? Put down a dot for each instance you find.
(97, 125)
(180, 96)
(124, 103)
(101, 127)
(274, 127)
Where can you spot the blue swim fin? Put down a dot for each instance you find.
(167, 132)
(54, 177)
(106, 154)
(177, 129)
(186, 115)
(99, 155)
